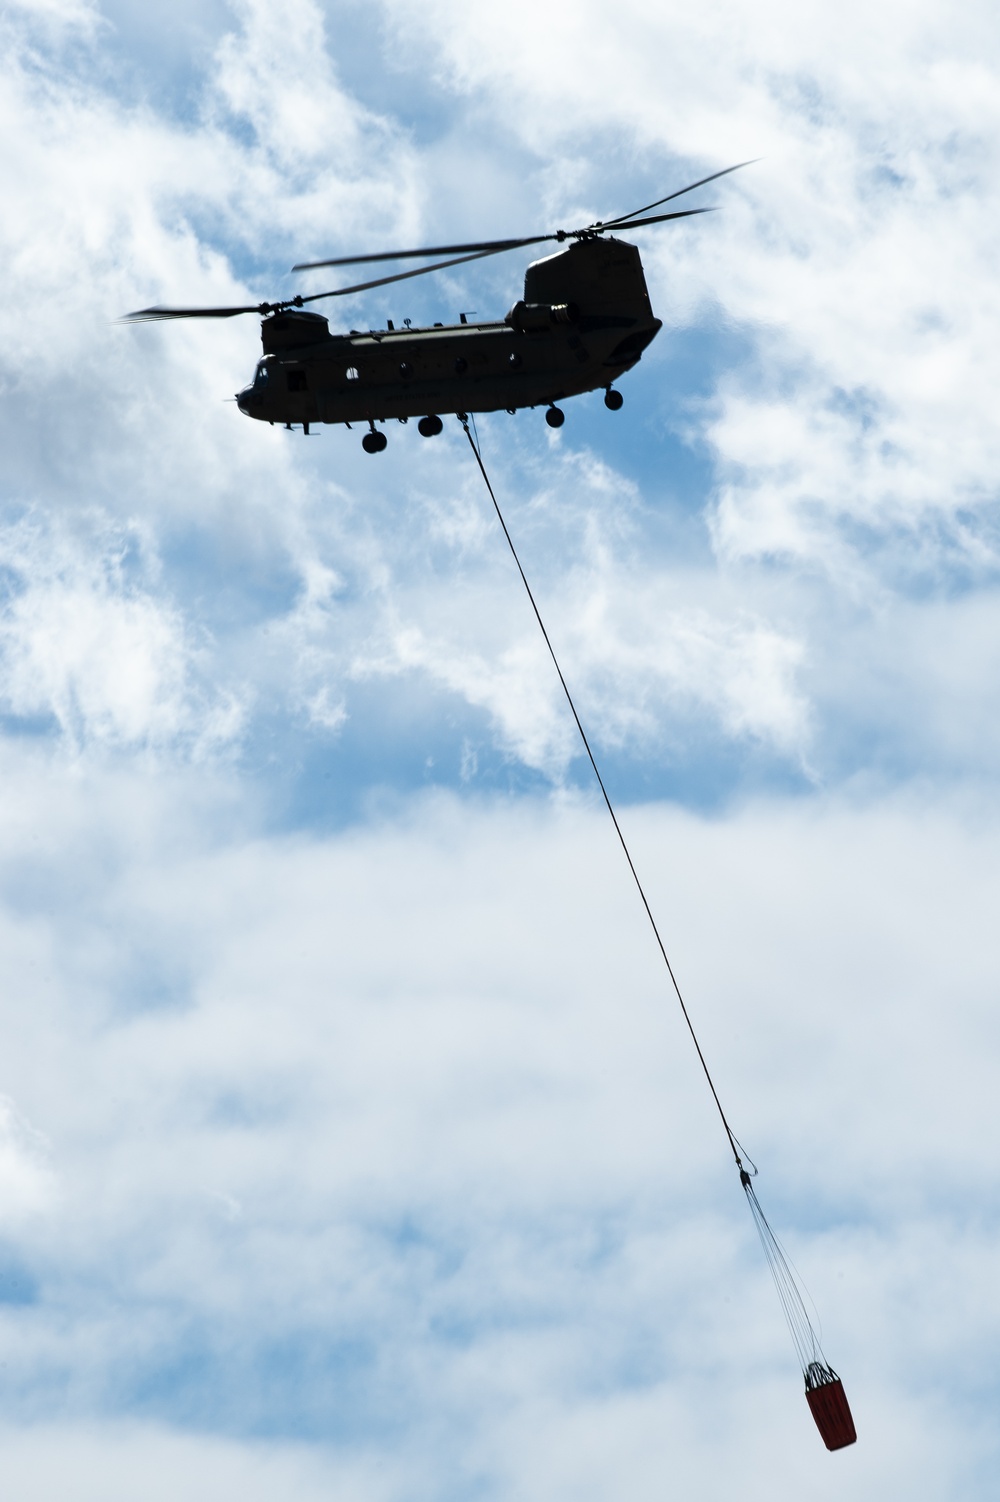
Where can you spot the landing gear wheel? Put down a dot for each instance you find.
(555, 418)
(374, 443)
(429, 427)
(613, 400)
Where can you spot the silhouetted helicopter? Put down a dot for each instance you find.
(584, 320)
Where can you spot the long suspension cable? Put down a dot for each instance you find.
(816, 1370)
(733, 1143)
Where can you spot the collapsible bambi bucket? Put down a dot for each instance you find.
(829, 1407)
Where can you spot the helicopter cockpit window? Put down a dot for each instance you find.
(260, 377)
(352, 373)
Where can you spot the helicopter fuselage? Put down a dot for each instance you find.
(585, 319)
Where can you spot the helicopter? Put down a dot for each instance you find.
(584, 320)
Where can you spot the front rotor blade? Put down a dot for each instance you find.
(157, 315)
(492, 246)
(607, 224)
(402, 276)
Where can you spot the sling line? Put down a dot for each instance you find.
(824, 1389)
(733, 1143)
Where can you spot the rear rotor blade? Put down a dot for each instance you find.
(608, 223)
(403, 276)
(658, 219)
(476, 248)
(491, 246)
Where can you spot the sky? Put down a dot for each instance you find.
(351, 1141)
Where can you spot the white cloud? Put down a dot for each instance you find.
(25, 1181)
(443, 600)
(56, 18)
(100, 1463)
(84, 643)
(484, 1199)
(392, 1143)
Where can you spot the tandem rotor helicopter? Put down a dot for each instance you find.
(584, 320)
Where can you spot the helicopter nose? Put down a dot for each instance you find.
(242, 402)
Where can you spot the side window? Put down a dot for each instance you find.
(352, 373)
(297, 380)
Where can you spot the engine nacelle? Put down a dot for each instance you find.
(534, 317)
